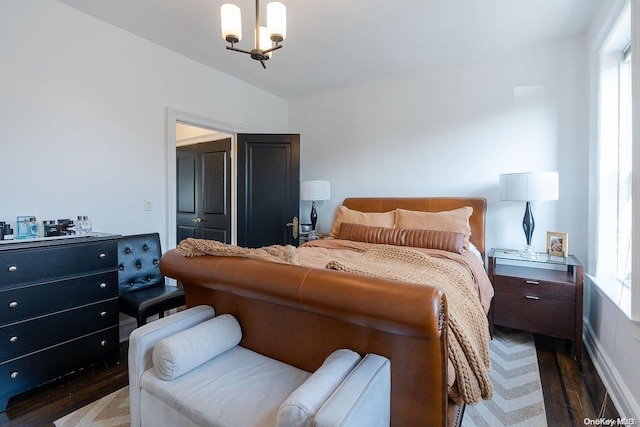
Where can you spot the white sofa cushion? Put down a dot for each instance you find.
(180, 353)
(301, 406)
(238, 388)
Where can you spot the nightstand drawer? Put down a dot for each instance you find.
(534, 288)
(543, 315)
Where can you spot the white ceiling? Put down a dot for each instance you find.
(336, 43)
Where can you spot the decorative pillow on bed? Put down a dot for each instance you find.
(186, 350)
(377, 219)
(430, 239)
(456, 220)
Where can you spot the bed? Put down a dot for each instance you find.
(299, 314)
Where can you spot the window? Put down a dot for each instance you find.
(614, 161)
(625, 157)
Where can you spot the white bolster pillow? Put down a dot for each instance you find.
(180, 353)
(299, 409)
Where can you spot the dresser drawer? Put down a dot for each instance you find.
(43, 264)
(26, 372)
(25, 337)
(543, 315)
(22, 303)
(521, 287)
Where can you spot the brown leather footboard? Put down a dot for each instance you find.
(299, 315)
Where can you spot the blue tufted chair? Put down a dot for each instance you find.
(141, 285)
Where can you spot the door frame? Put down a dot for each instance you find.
(176, 116)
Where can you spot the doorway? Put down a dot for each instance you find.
(187, 129)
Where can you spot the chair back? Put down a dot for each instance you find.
(139, 262)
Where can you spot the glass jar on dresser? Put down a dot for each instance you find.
(58, 308)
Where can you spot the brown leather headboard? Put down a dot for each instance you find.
(428, 204)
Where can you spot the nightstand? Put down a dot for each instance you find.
(542, 295)
(308, 236)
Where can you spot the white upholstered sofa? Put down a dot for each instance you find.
(188, 370)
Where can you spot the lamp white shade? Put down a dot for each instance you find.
(230, 21)
(277, 20)
(529, 186)
(315, 190)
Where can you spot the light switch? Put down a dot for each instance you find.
(148, 205)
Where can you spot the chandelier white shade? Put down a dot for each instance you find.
(529, 186)
(230, 18)
(277, 20)
(315, 190)
(267, 39)
(265, 42)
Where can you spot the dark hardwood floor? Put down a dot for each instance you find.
(572, 392)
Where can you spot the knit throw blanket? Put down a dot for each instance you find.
(468, 331)
(195, 247)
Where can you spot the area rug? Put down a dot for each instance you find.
(517, 396)
(110, 411)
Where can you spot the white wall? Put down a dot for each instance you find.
(452, 131)
(83, 107)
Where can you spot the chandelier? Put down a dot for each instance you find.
(267, 39)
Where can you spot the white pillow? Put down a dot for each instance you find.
(301, 405)
(180, 353)
(475, 251)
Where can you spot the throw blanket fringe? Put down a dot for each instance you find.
(468, 331)
(196, 247)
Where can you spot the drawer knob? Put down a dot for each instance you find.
(532, 282)
(14, 374)
(13, 304)
(532, 297)
(12, 268)
(103, 314)
(102, 255)
(103, 343)
(103, 285)
(13, 339)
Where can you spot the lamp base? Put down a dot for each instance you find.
(529, 252)
(314, 215)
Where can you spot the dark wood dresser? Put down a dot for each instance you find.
(58, 309)
(543, 295)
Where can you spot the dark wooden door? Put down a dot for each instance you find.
(268, 189)
(204, 191)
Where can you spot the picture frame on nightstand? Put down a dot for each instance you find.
(557, 243)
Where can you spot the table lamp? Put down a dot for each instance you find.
(314, 191)
(529, 187)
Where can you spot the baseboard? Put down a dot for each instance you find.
(622, 398)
